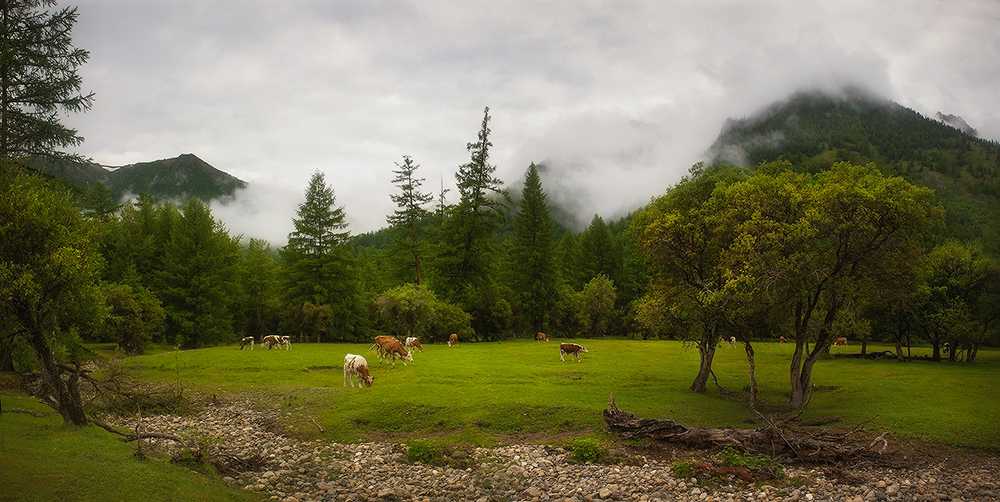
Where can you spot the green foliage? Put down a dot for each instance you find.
(587, 449)
(408, 220)
(412, 310)
(731, 458)
(195, 284)
(50, 269)
(532, 271)
(681, 470)
(39, 79)
(318, 265)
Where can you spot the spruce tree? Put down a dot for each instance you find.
(318, 265)
(533, 269)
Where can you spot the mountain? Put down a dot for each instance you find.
(178, 178)
(813, 130)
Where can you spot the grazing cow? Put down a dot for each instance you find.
(286, 341)
(781, 339)
(453, 340)
(572, 349)
(946, 348)
(541, 337)
(270, 341)
(390, 346)
(246, 340)
(357, 366)
(413, 343)
(840, 341)
(732, 341)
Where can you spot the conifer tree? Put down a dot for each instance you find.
(38, 78)
(407, 221)
(319, 268)
(533, 254)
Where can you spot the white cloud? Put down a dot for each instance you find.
(619, 97)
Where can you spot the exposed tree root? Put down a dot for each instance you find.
(770, 439)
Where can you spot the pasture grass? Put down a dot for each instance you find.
(43, 460)
(484, 392)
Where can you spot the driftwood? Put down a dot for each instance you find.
(770, 439)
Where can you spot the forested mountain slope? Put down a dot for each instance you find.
(813, 130)
(178, 178)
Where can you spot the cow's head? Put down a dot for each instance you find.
(367, 380)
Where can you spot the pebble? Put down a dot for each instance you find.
(319, 471)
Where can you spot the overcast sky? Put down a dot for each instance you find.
(618, 97)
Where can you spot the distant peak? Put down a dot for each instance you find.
(956, 122)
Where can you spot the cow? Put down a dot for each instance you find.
(840, 341)
(270, 341)
(781, 339)
(732, 341)
(357, 366)
(246, 340)
(413, 343)
(541, 337)
(390, 346)
(572, 349)
(946, 348)
(452, 340)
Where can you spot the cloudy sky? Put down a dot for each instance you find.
(618, 97)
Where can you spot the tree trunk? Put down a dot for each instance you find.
(63, 395)
(706, 352)
(752, 399)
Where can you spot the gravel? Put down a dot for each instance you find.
(289, 470)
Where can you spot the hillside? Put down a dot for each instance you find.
(178, 178)
(813, 130)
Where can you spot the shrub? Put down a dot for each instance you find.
(589, 450)
(681, 470)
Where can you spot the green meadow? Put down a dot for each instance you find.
(484, 394)
(493, 390)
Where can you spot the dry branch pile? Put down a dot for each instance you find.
(770, 439)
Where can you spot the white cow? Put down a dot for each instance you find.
(732, 341)
(357, 366)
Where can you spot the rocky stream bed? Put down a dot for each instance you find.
(250, 453)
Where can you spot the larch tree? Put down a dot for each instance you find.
(464, 262)
(38, 79)
(408, 219)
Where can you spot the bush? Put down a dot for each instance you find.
(681, 470)
(589, 450)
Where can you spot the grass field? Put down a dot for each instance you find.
(490, 390)
(484, 393)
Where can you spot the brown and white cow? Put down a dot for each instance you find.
(411, 343)
(840, 341)
(732, 341)
(390, 346)
(946, 348)
(541, 337)
(357, 366)
(572, 349)
(452, 339)
(270, 341)
(246, 340)
(781, 339)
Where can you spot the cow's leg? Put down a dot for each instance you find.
(561, 355)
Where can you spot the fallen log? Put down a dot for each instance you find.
(769, 439)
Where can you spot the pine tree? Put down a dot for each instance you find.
(407, 221)
(38, 78)
(533, 255)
